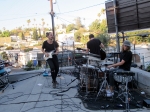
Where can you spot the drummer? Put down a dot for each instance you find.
(123, 65)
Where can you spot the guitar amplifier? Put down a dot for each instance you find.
(146, 103)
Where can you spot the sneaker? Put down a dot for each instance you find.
(54, 85)
(55, 82)
(58, 75)
(109, 93)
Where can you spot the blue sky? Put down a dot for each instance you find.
(15, 13)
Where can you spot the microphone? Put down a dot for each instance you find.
(63, 43)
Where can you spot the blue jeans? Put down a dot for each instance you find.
(111, 75)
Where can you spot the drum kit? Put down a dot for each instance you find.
(93, 78)
(93, 74)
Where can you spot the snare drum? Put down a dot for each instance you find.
(122, 78)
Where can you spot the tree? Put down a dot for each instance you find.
(29, 65)
(104, 38)
(6, 33)
(95, 26)
(70, 27)
(63, 26)
(35, 34)
(78, 23)
(9, 48)
(84, 39)
(39, 32)
(34, 20)
(77, 36)
(103, 26)
(4, 28)
(22, 36)
(28, 21)
(43, 23)
(4, 55)
(101, 13)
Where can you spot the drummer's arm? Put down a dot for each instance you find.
(116, 64)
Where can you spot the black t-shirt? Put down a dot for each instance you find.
(127, 57)
(94, 46)
(49, 47)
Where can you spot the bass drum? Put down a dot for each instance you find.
(89, 79)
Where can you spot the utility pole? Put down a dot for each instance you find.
(52, 17)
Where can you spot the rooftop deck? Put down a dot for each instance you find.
(36, 94)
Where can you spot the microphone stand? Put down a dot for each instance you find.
(78, 75)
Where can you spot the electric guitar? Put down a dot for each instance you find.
(50, 55)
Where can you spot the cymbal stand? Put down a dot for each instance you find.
(103, 85)
(86, 78)
(61, 65)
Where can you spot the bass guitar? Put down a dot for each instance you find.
(50, 55)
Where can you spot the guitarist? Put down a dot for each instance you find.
(48, 46)
(94, 45)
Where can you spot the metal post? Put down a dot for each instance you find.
(52, 17)
(143, 62)
(122, 35)
(116, 27)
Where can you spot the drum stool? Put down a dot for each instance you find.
(124, 77)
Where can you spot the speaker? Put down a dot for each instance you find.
(146, 103)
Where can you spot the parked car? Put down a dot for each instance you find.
(15, 65)
(7, 69)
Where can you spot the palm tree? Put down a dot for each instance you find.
(4, 29)
(42, 19)
(101, 13)
(34, 20)
(28, 21)
(43, 23)
(22, 26)
(47, 24)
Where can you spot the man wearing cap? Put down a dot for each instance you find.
(123, 65)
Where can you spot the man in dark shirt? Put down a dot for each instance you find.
(123, 65)
(94, 45)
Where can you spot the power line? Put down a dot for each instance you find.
(58, 6)
(65, 20)
(73, 16)
(21, 17)
(81, 9)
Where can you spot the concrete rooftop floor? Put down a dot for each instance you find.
(36, 94)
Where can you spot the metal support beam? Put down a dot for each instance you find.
(116, 27)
